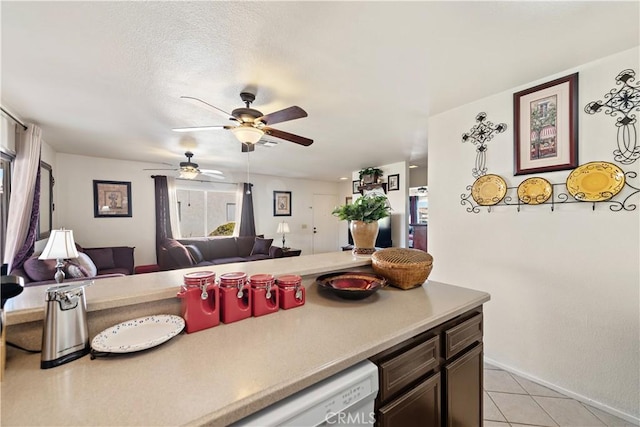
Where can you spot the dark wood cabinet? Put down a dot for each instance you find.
(420, 406)
(463, 384)
(435, 378)
(419, 236)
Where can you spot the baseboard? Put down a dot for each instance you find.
(627, 417)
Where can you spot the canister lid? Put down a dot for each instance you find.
(289, 279)
(261, 279)
(233, 279)
(199, 277)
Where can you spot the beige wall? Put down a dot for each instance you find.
(564, 284)
(73, 194)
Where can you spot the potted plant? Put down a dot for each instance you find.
(363, 215)
(370, 175)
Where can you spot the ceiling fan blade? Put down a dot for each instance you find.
(212, 107)
(247, 148)
(288, 136)
(211, 172)
(287, 114)
(197, 128)
(159, 169)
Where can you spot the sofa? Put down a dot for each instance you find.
(203, 251)
(92, 263)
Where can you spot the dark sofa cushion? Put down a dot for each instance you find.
(178, 254)
(257, 257)
(245, 245)
(261, 246)
(224, 247)
(229, 260)
(101, 257)
(195, 253)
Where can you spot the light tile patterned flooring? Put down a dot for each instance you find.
(510, 400)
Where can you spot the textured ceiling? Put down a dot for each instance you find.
(105, 78)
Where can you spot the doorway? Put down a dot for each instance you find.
(324, 237)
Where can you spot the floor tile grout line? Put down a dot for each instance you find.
(497, 407)
(532, 398)
(596, 415)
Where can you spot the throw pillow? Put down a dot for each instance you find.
(102, 258)
(178, 253)
(261, 246)
(74, 270)
(88, 265)
(195, 253)
(40, 269)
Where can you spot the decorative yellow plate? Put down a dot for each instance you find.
(534, 191)
(595, 181)
(488, 190)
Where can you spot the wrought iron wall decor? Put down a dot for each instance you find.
(479, 135)
(622, 101)
(559, 196)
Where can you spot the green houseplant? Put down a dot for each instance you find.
(363, 215)
(370, 175)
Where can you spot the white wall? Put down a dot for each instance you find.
(73, 195)
(564, 285)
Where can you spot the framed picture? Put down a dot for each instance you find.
(282, 203)
(394, 182)
(348, 200)
(111, 199)
(545, 119)
(354, 187)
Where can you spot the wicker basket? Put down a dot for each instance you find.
(404, 268)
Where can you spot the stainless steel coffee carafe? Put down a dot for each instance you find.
(65, 335)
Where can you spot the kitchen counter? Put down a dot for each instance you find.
(219, 375)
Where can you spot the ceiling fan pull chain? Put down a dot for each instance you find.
(248, 183)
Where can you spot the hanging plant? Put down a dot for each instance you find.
(371, 171)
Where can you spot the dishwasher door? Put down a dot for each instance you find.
(344, 399)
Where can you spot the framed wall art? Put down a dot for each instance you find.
(545, 119)
(354, 187)
(111, 199)
(394, 182)
(282, 203)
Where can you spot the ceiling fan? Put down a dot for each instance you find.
(250, 124)
(190, 170)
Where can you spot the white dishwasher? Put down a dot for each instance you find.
(344, 399)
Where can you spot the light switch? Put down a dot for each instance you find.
(304, 226)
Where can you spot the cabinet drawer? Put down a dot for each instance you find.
(420, 406)
(402, 370)
(462, 336)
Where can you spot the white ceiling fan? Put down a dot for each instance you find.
(190, 170)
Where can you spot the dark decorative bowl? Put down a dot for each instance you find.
(351, 285)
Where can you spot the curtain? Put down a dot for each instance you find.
(163, 217)
(174, 217)
(247, 224)
(23, 216)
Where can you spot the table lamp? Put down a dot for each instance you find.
(283, 228)
(60, 246)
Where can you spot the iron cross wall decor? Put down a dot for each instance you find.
(479, 135)
(623, 101)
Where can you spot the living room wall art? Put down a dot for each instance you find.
(282, 203)
(546, 126)
(479, 135)
(111, 199)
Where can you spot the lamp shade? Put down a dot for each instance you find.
(189, 173)
(60, 246)
(283, 227)
(247, 134)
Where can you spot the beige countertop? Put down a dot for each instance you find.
(219, 375)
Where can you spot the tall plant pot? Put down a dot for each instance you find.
(364, 237)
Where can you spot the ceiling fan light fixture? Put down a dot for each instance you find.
(247, 134)
(189, 173)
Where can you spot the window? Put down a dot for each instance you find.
(203, 212)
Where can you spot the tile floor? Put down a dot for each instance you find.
(512, 401)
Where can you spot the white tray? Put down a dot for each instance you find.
(138, 334)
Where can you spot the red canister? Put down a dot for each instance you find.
(264, 294)
(200, 301)
(292, 293)
(235, 297)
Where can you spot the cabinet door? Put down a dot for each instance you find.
(463, 385)
(419, 407)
